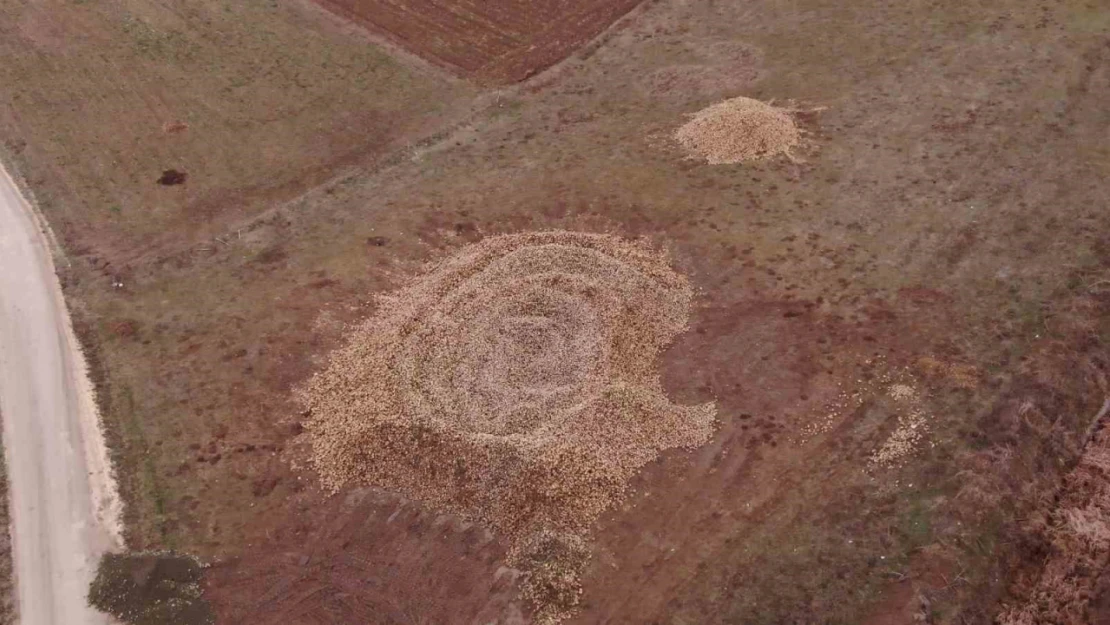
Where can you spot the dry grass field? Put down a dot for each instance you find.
(253, 101)
(902, 328)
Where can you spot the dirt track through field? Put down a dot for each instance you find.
(64, 508)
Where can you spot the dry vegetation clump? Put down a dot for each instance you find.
(963, 376)
(1079, 534)
(514, 383)
(739, 130)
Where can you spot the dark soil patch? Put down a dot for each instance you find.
(171, 177)
(150, 589)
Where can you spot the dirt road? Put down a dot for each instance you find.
(63, 508)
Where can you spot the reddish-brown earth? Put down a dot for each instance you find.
(367, 556)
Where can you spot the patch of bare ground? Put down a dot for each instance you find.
(369, 557)
(949, 224)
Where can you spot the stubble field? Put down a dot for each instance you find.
(253, 102)
(902, 329)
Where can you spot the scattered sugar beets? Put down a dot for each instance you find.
(515, 383)
(739, 130)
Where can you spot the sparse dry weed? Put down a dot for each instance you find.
(1079, 533)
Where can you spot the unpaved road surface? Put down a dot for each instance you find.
(61, 517)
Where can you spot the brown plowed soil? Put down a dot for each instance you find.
(493, 41)
(368, 557)
(364, 556)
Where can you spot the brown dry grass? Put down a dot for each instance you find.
(514, 383)
(253, 101)
(1078, 533)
